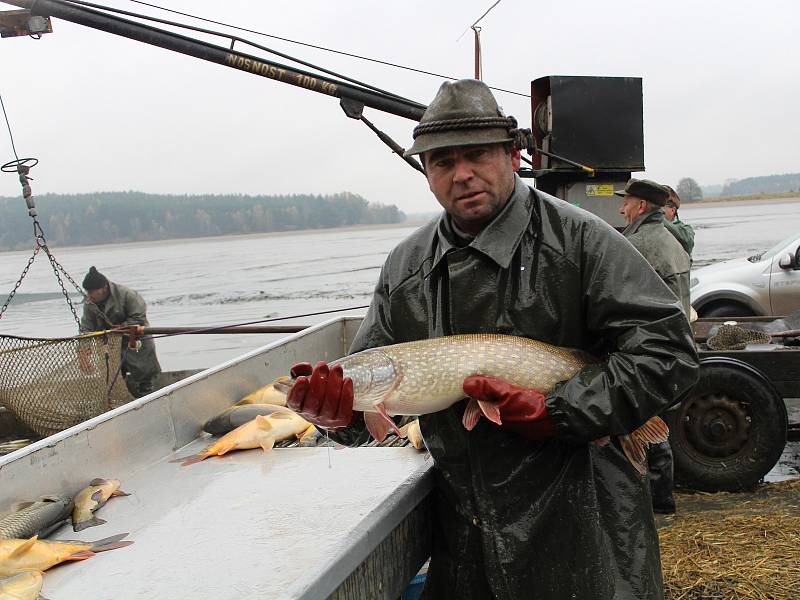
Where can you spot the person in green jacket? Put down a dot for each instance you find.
(642, 209)
(531, 508)
(111, 305)
(683, 232)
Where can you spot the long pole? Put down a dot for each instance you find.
(220, 55)
(215, 330)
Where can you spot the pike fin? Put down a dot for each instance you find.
(634, 445)
(119, 493)
(267, 444)
(376, 425)
(603, 441)
(655, 431)
(98, 481)
(389, 421)
(23, 548)
(93, 522)
(472, 414)
(490, 411)
(20, 505)
(636, 451)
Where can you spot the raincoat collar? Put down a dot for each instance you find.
(500, 238)
(656, 216)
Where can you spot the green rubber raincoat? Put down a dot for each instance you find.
(564, 518)
(663, 251)
(125, 306)
(683, 232)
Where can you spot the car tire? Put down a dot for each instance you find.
(726, 309)
(731, 429)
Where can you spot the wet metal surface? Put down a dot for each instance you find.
(245, 525)
(788, 466)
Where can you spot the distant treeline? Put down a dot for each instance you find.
(109, 217)
(769, 184)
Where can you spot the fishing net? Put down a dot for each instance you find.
(53, 384)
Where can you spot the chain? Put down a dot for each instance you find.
(57, 270)
(19, 281)
(23, 167)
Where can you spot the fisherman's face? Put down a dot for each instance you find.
(670, 210)
(472, 183)
(98, 295)
(631, 208)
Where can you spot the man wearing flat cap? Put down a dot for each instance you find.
(531, 507)
(112, 305)
(642, 208)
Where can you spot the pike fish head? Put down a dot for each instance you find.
(374, 376)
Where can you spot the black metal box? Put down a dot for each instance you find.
(596, 121)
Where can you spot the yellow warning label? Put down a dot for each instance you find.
(600, 189)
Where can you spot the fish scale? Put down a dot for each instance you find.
(37, 518)
(426, 376)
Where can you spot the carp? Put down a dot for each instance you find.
(235, 416)
(18, 556)
(25, 586)
(36, 518)
(267, 394)
(412, 432)
(426, 376)
(92, 498)
(262, 432)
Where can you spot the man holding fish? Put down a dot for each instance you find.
(527, 505)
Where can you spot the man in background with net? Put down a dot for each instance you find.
(112, 305)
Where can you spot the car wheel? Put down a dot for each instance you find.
(726, 309)
(730, 431)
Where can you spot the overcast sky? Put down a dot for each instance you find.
(103, 113)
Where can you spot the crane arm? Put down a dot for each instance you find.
(148, 34)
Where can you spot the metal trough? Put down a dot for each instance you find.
(297, 523)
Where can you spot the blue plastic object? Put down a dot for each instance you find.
(414, 589)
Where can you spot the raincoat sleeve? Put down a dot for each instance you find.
(683, 233)
(375, 330)
(134, 307)
(639, 330)
(90, 318)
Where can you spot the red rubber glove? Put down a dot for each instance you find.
(522, 411)
(322, 395)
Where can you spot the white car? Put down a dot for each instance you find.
(764, 284)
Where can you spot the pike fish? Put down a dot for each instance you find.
(90, 499)
(239, 415)
(262, 432)
(18, 556)
(426, 376)
(36, 518)
(25, 586)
